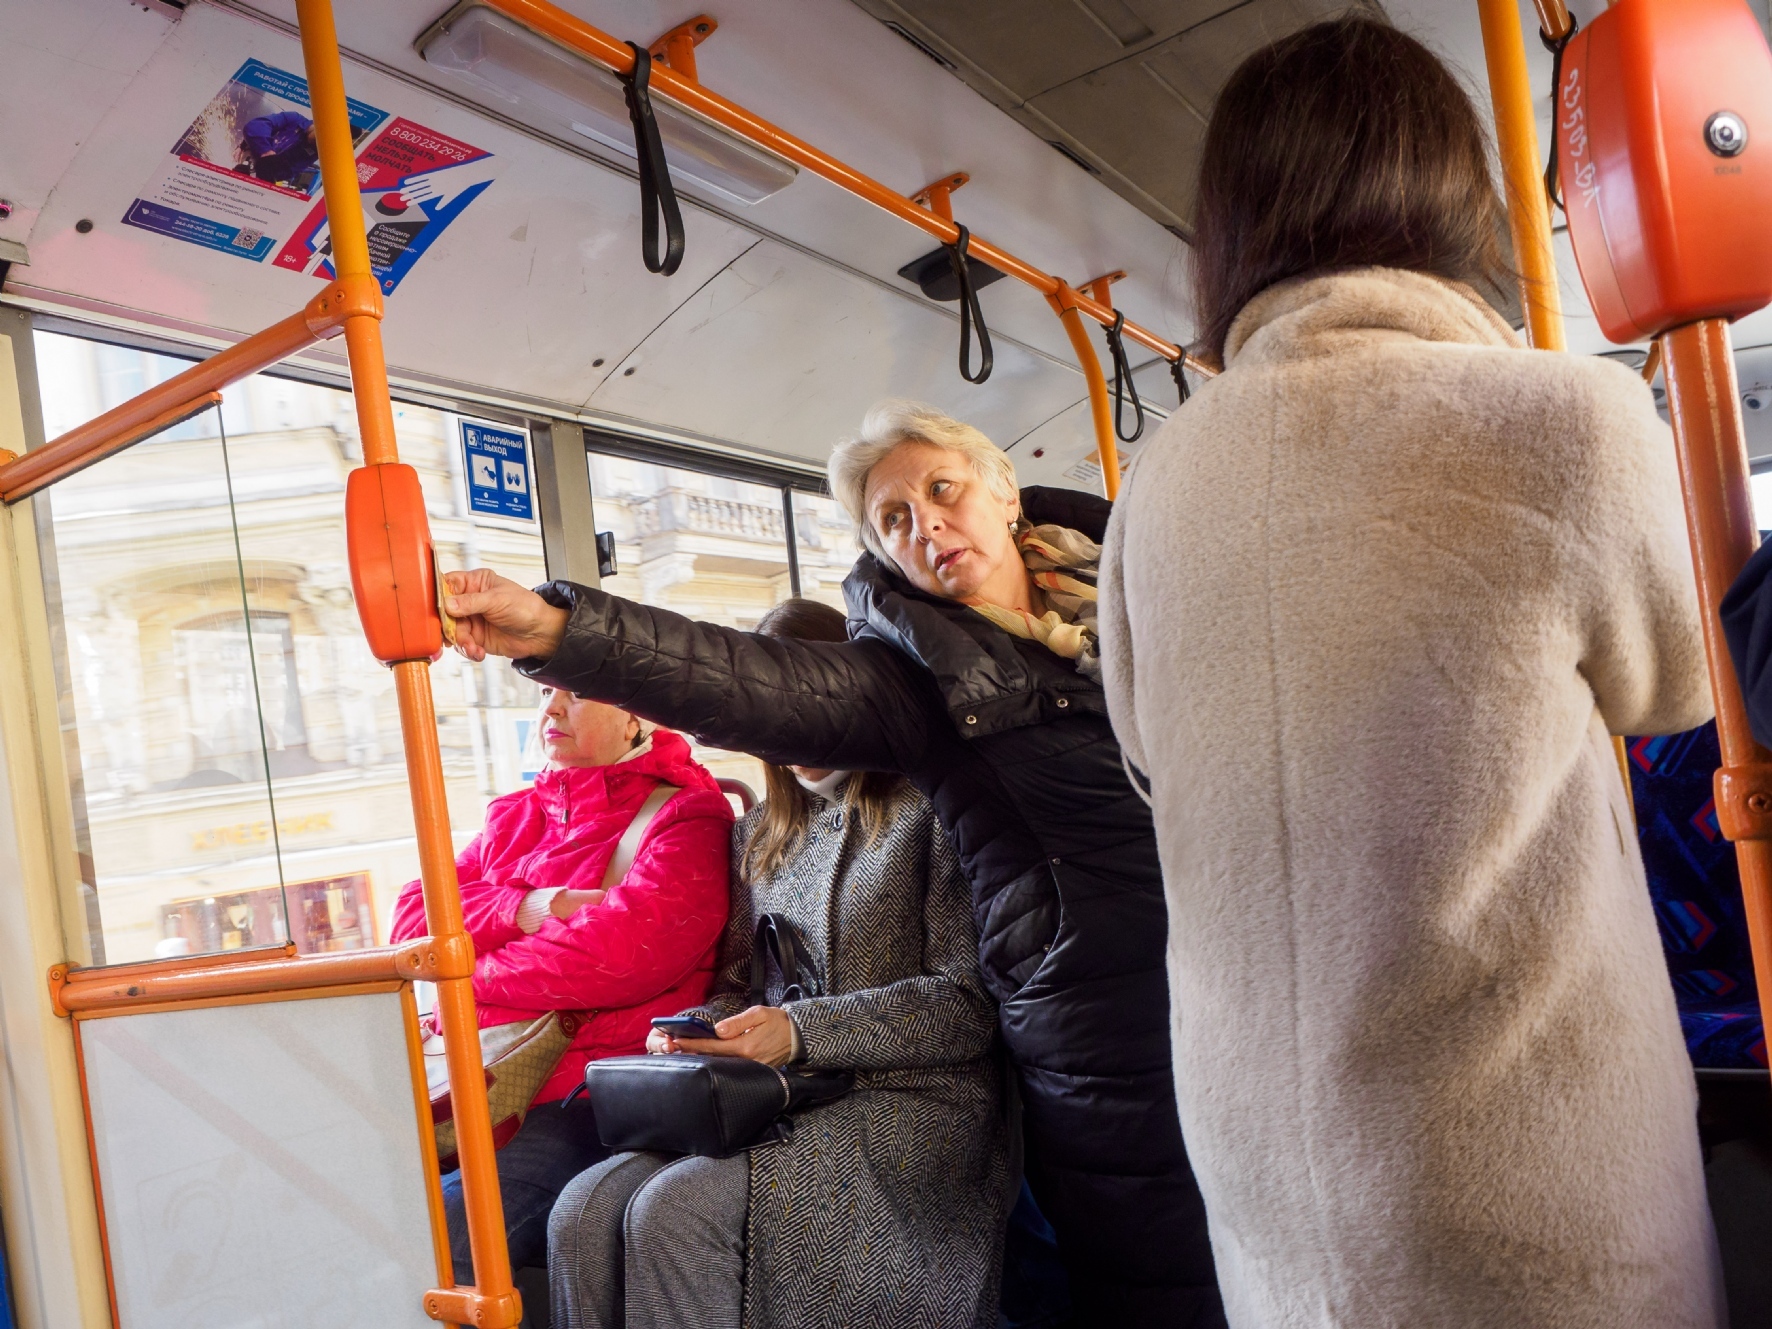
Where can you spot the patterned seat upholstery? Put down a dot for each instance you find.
(1697, 894)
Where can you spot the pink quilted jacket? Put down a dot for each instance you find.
(648, 949)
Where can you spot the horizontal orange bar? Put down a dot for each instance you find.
(577, 35)
(57, 461)
(160, 406)
(88, 991)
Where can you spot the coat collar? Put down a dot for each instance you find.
(989, 680)
(562, 791)
(1310, 316)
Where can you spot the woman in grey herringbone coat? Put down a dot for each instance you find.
(885, 1208)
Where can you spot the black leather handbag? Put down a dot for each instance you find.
(685, 1103)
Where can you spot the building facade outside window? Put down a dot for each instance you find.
(234, 750)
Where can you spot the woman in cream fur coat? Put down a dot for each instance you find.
(1373, 604)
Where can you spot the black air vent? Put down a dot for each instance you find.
(920, 44)
(1054, 143)
(934, 273)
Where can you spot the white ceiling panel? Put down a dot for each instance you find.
(783, 354)
(541, 276)
(827, 72)
(62, 65)
(537, 278)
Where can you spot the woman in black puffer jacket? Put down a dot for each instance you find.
(972, 670)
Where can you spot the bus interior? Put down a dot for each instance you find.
(600, 358)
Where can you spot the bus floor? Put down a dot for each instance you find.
(1735, 1125)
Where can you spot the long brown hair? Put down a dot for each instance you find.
(1344, 145)
(788, 807)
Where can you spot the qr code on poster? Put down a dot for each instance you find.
(248, 239)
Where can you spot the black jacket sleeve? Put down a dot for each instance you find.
(1746, 612)
(858, 705)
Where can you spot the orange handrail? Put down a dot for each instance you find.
(575, 34)
(1705, 408)
(199, 978)
(160, 406)
(42, 467)
(493, 1301)
(1528, 210)
(1065, 301)
(1516, 138)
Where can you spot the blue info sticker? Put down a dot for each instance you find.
(498, 471)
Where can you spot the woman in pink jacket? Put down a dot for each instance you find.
(548, 937)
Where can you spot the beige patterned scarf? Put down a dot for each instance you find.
(1063, 564)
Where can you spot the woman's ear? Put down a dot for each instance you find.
(632, 732)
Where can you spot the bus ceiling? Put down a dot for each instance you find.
(789, 313)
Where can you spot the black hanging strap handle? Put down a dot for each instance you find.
(1123, 383)
(1553, 187)
(656, 193)
(970, 313)
(1178, 372)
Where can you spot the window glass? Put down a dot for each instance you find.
(1760, 488)
(826, 541)
(233, 747)
(704, 546)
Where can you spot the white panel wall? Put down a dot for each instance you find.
(260, 1165)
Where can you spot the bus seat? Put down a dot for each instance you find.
(1696, 891)
(747, 798)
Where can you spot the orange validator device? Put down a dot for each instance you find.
(1664, 149)
(393, 570)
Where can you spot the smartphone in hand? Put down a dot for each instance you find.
(683, 1026)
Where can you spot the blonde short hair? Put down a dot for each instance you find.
(892, 422)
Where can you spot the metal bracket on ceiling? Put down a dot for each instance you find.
(935, 196)
(1098, 286)
(677, 47)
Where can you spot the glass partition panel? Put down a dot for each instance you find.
(231, 741)
(172, 795)
(702, 545)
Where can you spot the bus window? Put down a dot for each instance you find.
(699, 544)
(824, 539)
(235, 755)
(1760, 488)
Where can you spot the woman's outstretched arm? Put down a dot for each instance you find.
(851, 705)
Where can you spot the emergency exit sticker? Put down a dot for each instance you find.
(497, 463)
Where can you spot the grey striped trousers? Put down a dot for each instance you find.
(648, 1241)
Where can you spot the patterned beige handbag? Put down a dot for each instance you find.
(519, 1057)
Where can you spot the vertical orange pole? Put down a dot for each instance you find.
(1528, 210)
(493, 1302)
(1100, 408)
(1516, 138)
(1705, 408)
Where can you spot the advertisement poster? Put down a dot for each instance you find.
(247, 170)
(245, 179)
(415, 182)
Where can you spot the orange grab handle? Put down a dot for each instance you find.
(392, 572)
